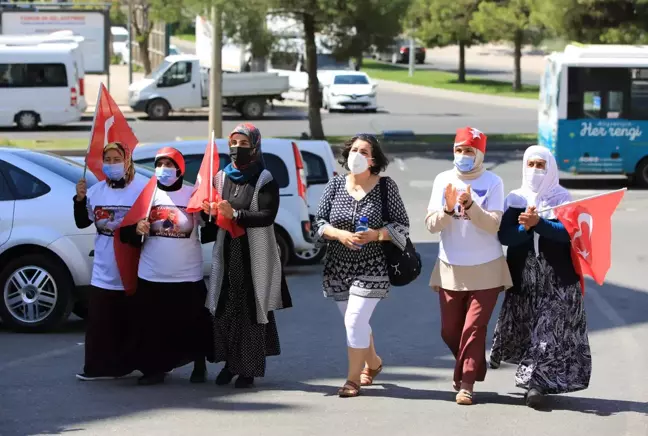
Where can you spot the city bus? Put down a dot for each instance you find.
(593, 110)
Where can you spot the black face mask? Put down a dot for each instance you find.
(242, 157)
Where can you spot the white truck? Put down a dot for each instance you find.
(180, 83)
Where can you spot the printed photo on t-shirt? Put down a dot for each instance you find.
(108, 218)
(170, 222)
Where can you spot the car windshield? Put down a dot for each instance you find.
(157, 73)
(350, 79)
(64, 167)
(120, 38)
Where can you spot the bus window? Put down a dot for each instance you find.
(592, 104)
(598, 93)
(639, 94)
(615, 104)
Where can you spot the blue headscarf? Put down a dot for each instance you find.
(255, 167)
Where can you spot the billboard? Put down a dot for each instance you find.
(92, 25)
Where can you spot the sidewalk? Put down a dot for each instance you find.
(118, 87)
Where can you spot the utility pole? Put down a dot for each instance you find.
(412, 54)
(130, 41)
(216, 75)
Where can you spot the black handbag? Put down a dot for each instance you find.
(403, 266)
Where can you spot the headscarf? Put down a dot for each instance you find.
(255, 167)
(476, 140)
(549, 194)
(129, 167)
(178, 160)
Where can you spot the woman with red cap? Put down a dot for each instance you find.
(105, 204)
(247, 283)
(466, 207)
(172, 324)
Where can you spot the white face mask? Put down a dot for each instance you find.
(358, 164)
(534, 178)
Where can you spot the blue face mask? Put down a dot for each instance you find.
(166, 176)
(464, 163)
(114, 171)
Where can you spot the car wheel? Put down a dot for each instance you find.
(308, 257)
(27, 120)
(253, 109)
(641, 173)
(158, 109)
(282, 246)
(36, 293)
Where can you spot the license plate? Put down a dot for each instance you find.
(354, 106)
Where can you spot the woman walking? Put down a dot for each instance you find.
(542, 325)
(105, 204)
(466, 206)
(355, 274)
(172, 325)
(243, 293)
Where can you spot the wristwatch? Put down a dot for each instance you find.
(380, 236)
(235, 214)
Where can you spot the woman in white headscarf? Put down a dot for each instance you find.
(542, 325)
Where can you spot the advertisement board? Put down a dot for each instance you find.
(92, 25)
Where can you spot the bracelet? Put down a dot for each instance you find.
(471, 203)
(448, 213)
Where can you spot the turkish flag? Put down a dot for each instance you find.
(127, 255)
(204, 190)
(109, 125)
(589, 224)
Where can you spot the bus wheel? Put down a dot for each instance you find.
(641, 173)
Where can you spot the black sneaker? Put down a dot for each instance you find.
(534, 398)
(198, 375)
(224, 377)
(151, 379)
(88, 377)
(244, 382)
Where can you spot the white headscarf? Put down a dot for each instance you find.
(548, 194)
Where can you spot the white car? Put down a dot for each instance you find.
(349, 90)
(45, 260)
(284, 160)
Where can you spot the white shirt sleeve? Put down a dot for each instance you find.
(436, 199)
(496, 197)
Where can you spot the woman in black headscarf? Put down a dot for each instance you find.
(243, 295)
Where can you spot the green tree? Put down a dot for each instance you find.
(509, 20)
(314, 15)
(445, 22)
(371, 22)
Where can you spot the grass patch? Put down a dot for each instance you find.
(47, 144)
(446, 80)
(186, 36)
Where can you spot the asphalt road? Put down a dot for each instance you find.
(413, 396)
(422, 114)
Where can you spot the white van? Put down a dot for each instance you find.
(39, 85)
(60, 37)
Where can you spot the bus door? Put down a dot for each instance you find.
(598, 109)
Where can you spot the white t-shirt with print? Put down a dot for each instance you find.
(172, 252)
(107, 207)
(463, 243)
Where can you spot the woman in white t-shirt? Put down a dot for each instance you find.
(109, 323)
(465, 208)
(173, 326)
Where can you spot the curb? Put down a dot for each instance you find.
(391, 147)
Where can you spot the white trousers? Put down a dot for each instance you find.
(357, 313)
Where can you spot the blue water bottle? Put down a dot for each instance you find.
(362, 225)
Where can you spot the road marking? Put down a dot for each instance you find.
(401, 163)
(36, 358)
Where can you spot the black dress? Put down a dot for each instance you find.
(542, 325)
(239, 340)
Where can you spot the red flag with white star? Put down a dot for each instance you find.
(589, 224)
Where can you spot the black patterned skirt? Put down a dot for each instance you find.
(239, 341)
(542, 327)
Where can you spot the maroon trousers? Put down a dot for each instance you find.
(464, 323)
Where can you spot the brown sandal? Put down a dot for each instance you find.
(367, 375)
(350, 389)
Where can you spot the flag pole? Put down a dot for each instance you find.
(582, 199)
(150, 206)
(211, 173)
(94, 119)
